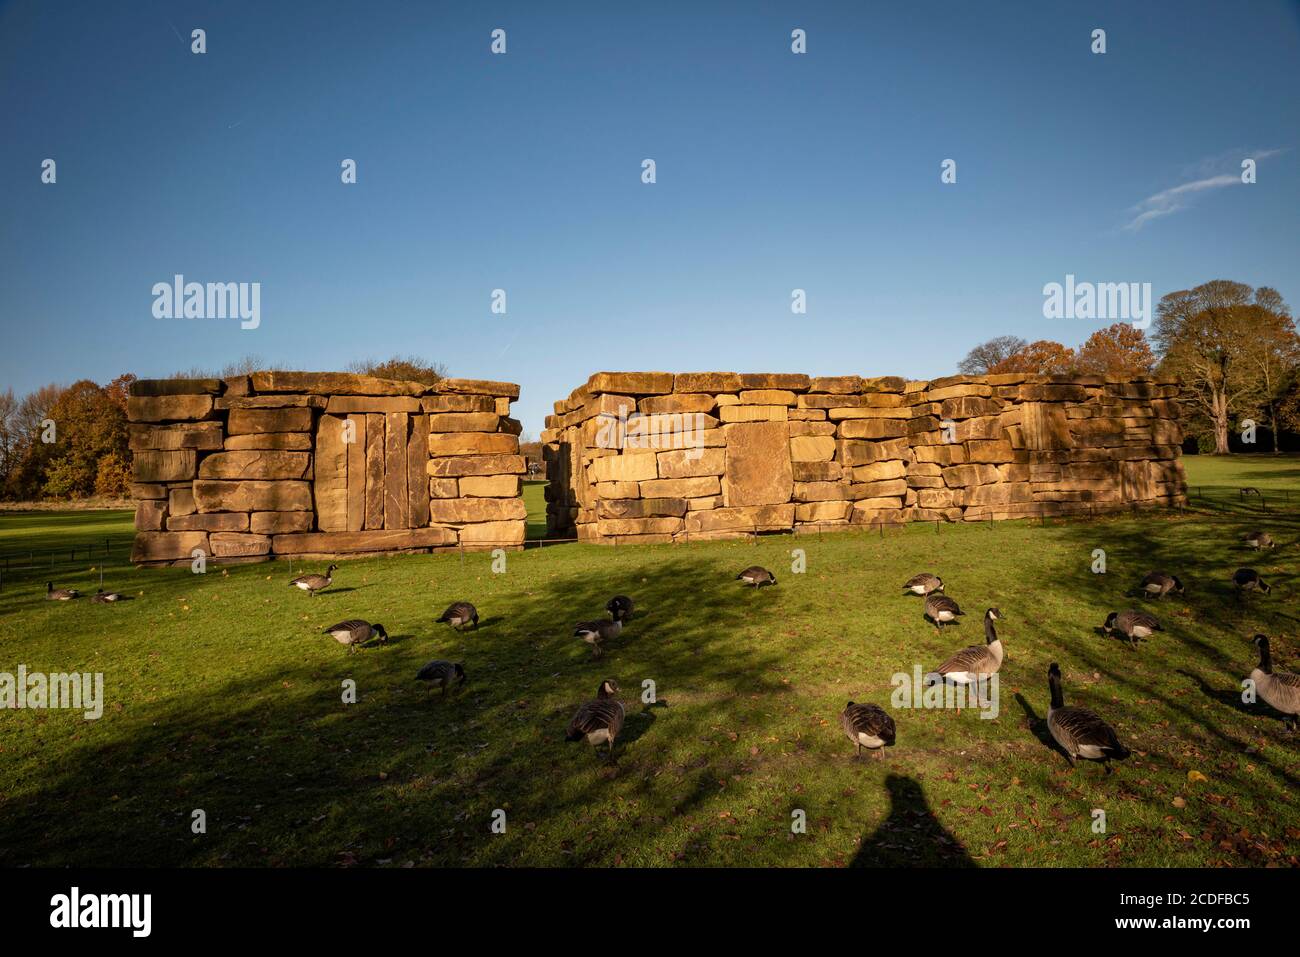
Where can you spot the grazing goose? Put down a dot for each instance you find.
(1133, 625)
(311, 584)
(619, 607)
(1281, 689)
(923, 584)
(941, 609)
(594, 632)
(443, 673)
(967, 665)
(60, 594)
(1258, 540)
(1079, 731)
(102, 597)
(757, 576)
(867, 726)
(354, 632)
(1247, 579)
(599, 721)
(1160, 584)
(459, 614)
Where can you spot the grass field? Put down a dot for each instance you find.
(222, 695)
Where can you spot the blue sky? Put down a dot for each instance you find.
(522, 172)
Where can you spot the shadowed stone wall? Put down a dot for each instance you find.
(659, 457)
(321, 464)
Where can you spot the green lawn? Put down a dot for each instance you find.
(222, 695)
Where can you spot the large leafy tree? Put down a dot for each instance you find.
(1119, 349)
(1212, 337)
(1043, 356)
(1273, 352)
(90, 428)
(981, 359)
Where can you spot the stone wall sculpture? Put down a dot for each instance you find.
(322, 464)
(660, 457)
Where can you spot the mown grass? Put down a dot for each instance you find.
(224, 696)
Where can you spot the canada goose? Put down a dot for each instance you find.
(599, 721)
(443, 673)
(354, 632)
(594, 632)
(459, 614)
(967, 665)
(941, 609)
(867, 726)
(756, 576)
(1133, 625)
(60, 594)
(1258, 540)
(923, 584)
(1079, 731)
(102, 597)
(1160, 584)
(619, 607)
(311, 584)
(1247, 579)
(1281, 689)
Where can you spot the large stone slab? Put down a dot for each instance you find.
(631, 467)
(455, 466)
(196, 435)
(150, 388)
(274, 523)
(210, 522)
(354, 404)
(459, 511)
(252, 496)
(417, 487)
(269, 441)
(239, 544)
(758, 470)
(473, 443)
(760, 518)
(689, 463)
(376, 441)
(478, 387)
(168, 408)
(458, 403)
(331, 475)
(356, 475)
(488, 486)
(243, 421)
(631, 383)
(464, 422)
(334, 383)
(397, 505)
(172, 466)
(256, 465)
(168, 546)
(383, 540)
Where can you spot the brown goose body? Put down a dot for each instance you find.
(867, 726)
(941, 609)
(314, 583)
(1080, 732)
(969, 664)
(1133, 625)
(599, 721)
(443, 674)
(60, 594)
(1281, 689)
(923, 584)
(598, 631)
(459, 614)
(1160, 584)
(756, 576)
(354, 632)
(1247, 579)
(1259, 540)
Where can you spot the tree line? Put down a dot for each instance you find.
(72, 442)
(1233, 347)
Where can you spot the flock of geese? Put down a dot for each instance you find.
(1080, 732)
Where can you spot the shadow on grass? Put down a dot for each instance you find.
(288, 774)
(911, 835)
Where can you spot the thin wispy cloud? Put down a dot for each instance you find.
(1180, 197)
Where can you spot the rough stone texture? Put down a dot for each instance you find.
(853, 451)
(321, 464)
(758, 468)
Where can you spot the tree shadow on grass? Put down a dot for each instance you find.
(287, 774)
(911, 836)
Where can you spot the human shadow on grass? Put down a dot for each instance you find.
(911, 836)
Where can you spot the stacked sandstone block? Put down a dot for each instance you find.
(322, 464)
(780, 452)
